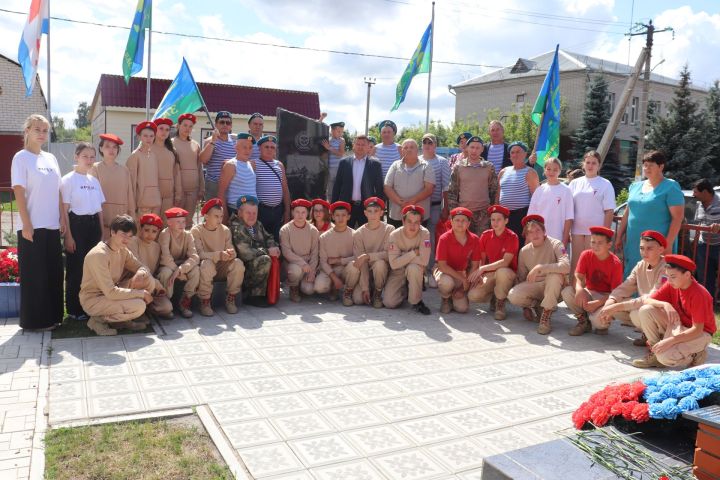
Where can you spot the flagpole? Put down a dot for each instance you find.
(432, 40)
(49, 109)
(149, 75)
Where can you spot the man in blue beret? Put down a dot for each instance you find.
(272, 187)
(497, 151)
(388, 151)
(255, 128)
(461, 143)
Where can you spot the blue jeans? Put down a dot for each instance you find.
(709, 277)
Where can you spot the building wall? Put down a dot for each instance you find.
(122, 122)
(16, 107)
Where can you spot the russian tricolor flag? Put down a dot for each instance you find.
(38, 22)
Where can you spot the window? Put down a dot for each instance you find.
(625, 117)
(611, 102)
(634, 110)
(520, 98)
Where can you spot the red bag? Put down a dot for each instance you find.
(441, 228)
(273, 286)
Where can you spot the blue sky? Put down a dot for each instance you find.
(478, 32)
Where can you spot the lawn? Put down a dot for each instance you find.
(164, 449)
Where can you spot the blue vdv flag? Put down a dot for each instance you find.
(419, 63)
(183, 96)
(133, 57)
(546, 114)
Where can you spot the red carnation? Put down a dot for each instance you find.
(600, 416)
(641, 413)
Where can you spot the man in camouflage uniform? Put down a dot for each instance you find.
(473, 184)
(254, 246)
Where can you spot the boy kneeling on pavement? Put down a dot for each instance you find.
(115, 287)
(178, 258)
(677, 319)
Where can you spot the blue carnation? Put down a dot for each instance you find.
(687, 375)
(669, 408)
(714, 383)
(685, 388)
(701, 392)
(656, 397)
(705, 372)
(650, 381)
(669, 390)
(702, 382)
(688, 403)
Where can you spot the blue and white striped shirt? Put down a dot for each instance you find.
(224, 150)
(514, 189)
(441, 166)
(387, 154)
(334, 160)
(255, 154)
(243, 183)
(269, 186)
(495, 155)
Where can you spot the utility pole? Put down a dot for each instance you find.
(649, 32)
(370, 82)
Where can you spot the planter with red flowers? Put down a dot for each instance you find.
(9, 283)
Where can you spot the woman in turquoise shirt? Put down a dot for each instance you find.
(656, 203)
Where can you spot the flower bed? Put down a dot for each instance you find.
(9, 270)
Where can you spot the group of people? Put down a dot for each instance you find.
(379, 240)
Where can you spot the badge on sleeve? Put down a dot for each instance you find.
(427, 243)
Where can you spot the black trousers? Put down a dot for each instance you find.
(357, 215)
(41, 279)
(514, 224)
(272, 219)
(86, 232)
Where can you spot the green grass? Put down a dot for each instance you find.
(146, 450)
(71, 328)
(8, 206)
(716, 336)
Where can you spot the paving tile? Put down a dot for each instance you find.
(354, 470)
(445, 401)
(400, 409)
(155, 365)
(368, 392)
(378, 439)
(277, 405)
(66, 391)
(198, 361)
(66, 374)
(61, 411)
(474, 420)
(240, 357)
(353, 416)
(427, 430)
(217, 392)
(152, 351)
(109, 386)
(330, 397)
(107, 371)
(206, 375)
(323, 450)
(267, 386)
(313, 380)
(159, 381)
(302, 425)
(235, 411)
(270, 459)
(190, 348)
(253, 370)
(251, 433)
(113, 405)
(305, 365)
(458, 455)
(409, 464)
(168, 398)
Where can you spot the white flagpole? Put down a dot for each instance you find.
(432, 39)
(149, 75)
(49, 110)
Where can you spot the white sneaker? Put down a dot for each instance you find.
(432, 283)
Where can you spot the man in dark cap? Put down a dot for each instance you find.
(216, 149)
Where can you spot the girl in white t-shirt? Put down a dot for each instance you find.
(594, 200)
(554, 202)
(35, 178)
(82, 207)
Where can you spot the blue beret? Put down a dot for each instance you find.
(518, 144)
(475, 139)
(388, 123)
(372, 139)
(465, 135)
(245, 136)
(243, 199)
(267, 138)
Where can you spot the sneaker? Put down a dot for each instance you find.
(529, 315)
(649, 361)
(295, 294)
(582, 326)
(230, 306)
(432, 283)
(544, 326)
(377, 299)
(500, 309)
(82, 318)
(99, 327)
(640, 342)
(348, 297)
(205, 308)
(421, 308)
(184, 306)
(446, 306)
(699, 358)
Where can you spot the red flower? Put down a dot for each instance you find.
(664, 477)
(9, 270)
(600, 416)
(641, 413)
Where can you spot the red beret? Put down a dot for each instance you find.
(213, 202)
(187, 116)
(163, 121)
(498, 209)
(532, 218)
(602, 231)
(111, 137)
(320, 201)
(414, 208)
(301, 202)
(657, 236)
(143, 125)
(461, 211)
(337, 205)
(680, 261)
(176, 212)
(151, 219)
(374, 200)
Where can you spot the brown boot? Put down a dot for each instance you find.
(446, 306)
(529, 315)
(500, 309)
(294, 294)
(205, 308)
(99, 327)
(184, 306)
(348, 297)
(640, 342)
(649, 361)
(699, 358)
(582, 326)
(333, 295)
(493, 303)
(544, 327)
(230, 306)
(377, 299)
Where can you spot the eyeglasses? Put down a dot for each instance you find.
(224, 122)
(427, 141)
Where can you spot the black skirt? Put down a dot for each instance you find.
(41, 279)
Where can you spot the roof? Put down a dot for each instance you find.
(237, 99)
(569, 61)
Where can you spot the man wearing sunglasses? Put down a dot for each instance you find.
(216, 149)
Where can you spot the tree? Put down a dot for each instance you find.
(595, 118)
(83, 115)
(712, 115)
(682, 136)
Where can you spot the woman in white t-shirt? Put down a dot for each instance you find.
(35, 178)
(82, 209)
(594, 200)
(553, 200)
